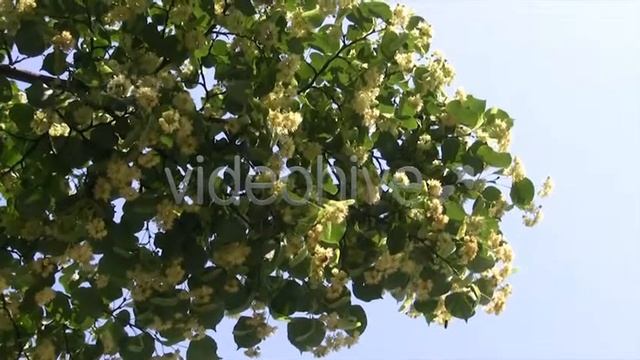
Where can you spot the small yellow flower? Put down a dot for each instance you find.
(44, 296)
(63, 41)
(96, 228)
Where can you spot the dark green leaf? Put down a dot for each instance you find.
(305, 333)
(55, 63)
(5, 90)
(203, 349)
(30, 39)
(493, 158)
(460, 304)
(522, 192)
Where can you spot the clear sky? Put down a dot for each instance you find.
(569, 72)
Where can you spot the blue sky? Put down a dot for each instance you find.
(569, 73)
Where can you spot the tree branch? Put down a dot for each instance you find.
(31, 77)
(332, 59)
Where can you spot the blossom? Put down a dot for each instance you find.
(24, 6)
(439, 73)
(169, 121)
(335, 211)
(166, 214)
(547, 187)
(401, 16)
(499, 300)
(45, 350)
(59, 129)
(119, 86)
(146, 97)
(405, 61)
(516, 170)
(102, 189)
(434, 188)
(283, 123)
(63, 41)
(231, 255)
(96, 228)
(44, 296)
(532, 217)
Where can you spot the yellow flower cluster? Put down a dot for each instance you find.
(259, 322)
(499, 300)
(149, 159)
(283, 123)
(96, 228)
(469, 249)
(401, 16)
(45, 350)
(339, 279)
(50, 122)
(532, 216)
(63, 41)
(174, 274)
(43, 267)
(24, 6)
(547, 187)
(288, 68)
(334, 211)
(434, 188)
(231, 255)
(365, 99)
(147, 97)
(422, 35)
(166, 214)
(321, 258)
(440, 73)
(435, 211)
(170, 121)
(516, 170)
(121, 176)
(44, 296)
(405, 61)
(497, 134)
(119, 86)
(81, 253)
(385, 265)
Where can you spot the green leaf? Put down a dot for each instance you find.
(359, 318)
(450, 150)
(390, 44)
(468, 112)
(461, 305)
(22, 115)
(365, 292)
(304, 333)
(491, 193)
(481, 262)
(30, 39)
(455, 211)
(333, 233)
(203, 349)
(378, 9)
(286, 300)
(493, 158)
(138, 347)
(55, 63)
(5, 90)
(244, 333)
(245, 6)
(397, 240)
(522, 192)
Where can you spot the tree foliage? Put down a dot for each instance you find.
(98, 258)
